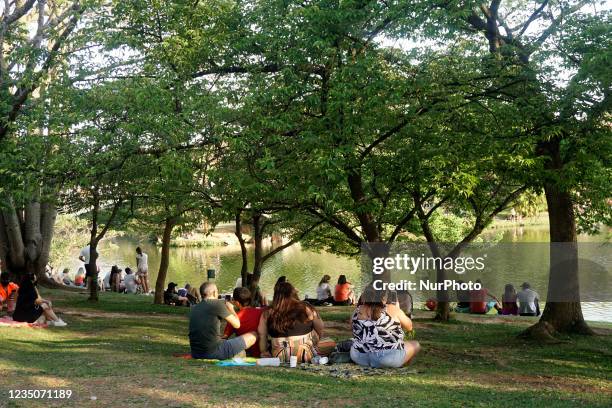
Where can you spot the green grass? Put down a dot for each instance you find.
(120, 351)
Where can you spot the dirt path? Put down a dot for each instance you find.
(116, 315)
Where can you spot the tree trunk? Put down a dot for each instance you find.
(243, 249)
(563, 281)
(25, 238)
(258, 252)
(442, 304)
(160, 283)
(92, 269)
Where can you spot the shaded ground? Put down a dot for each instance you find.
(119, 353)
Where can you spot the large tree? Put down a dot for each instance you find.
(558, 52)
(36, 39)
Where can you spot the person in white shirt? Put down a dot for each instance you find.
(528, 301)
(324, 293)
(106, 283)
(130, 281)
(142, 269)
(84, 255)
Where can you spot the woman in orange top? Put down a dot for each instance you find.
(344, 295)
(8, 293)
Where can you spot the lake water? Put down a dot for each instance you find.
(305, 268)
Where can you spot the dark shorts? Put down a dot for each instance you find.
(226, 349)
(30, 315)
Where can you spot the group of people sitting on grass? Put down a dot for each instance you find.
(186, 296)
(524, 303)
(292, 327)
(24, 303)
(343, 293)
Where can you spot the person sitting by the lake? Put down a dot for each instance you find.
(106, 282)
(59, 277)
(343, 293)
(79, 278)
(248, 316)
(258, 299)
(294, 326)
(184, 290)
(509, 306)
(528, 300)
(378, 332)
(8, 293)
(142, 269)
(130, 281)
(324, 293)
(205, 327)
(193, 296)
(479, 303)
(49, 271)
(32, 308)
(463, 300)
(115, 278)
(66, 277)
(172, 298)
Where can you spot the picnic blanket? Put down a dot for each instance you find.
(7, 321)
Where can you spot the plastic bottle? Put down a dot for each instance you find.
(268, 362)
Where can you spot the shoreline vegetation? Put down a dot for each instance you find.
(472, 360)
(222, 235)
(71, 234)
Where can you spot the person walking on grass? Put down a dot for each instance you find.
(142, 269)
(205, 327)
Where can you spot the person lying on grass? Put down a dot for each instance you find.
(248, 316)
(294, 326)
(378, 332)
(205, 327)
(32, 308)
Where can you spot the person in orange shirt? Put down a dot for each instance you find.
(8, 293)
(343, 294)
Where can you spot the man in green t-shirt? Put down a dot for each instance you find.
(205, 327)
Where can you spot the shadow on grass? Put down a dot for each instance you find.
(129, 362)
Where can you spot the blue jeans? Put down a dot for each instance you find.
(379, 359)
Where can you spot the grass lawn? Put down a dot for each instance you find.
(119, 353)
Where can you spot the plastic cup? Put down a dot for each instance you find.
(293, 361)
(323, 360)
